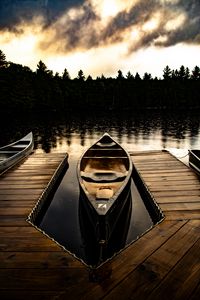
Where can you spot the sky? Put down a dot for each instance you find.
(101, 36)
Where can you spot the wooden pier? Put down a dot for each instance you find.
(163, 264)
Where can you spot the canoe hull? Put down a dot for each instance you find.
(96, 249)
(194, 160)
(104, 225)
(11, 154)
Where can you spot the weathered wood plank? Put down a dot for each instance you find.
(25, 186)
(183, 198)
(16, 203)
(24, 197)
(15, 211)
(21, 191)
(38, 260)
(12, 232)
(180, 206)
(13, 221)
(182, 215)
(175, 187)
(171, 193)
(44, 279)
(21, 243)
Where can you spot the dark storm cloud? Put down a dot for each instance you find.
(189, 32)
(138, 15)
(72, 32)
(13, 12)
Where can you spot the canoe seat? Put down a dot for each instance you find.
(104, 193)
(103, 176)
(106, 145)
(19, 146)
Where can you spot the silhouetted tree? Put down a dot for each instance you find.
(89, 78)
(120, 75)
(65, 75)
(182, 73)
(42, 69)
(167, 73)
(3, 62)
(129, 75)
(147, 76)
(137, 76)
(187, 73)
(81, 75)
(195, 73)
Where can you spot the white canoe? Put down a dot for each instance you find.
(13, 153)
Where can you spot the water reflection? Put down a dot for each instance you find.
(135, 131)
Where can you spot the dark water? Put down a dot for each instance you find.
(64, 219)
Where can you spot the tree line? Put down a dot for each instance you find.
(23, 90)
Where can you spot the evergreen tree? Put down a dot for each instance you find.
(147, 76)
(182, 73)
(65, 75)
(137, 76)
(129, 75)
(167, 73)
(42, 69)
(3, 62)
(195, 73)
(81, 75)
(120, 75)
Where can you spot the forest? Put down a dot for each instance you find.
(25, 91)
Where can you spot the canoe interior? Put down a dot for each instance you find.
(196, 153)
(103, 169)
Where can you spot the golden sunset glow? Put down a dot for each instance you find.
(101, 37)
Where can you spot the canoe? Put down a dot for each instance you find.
(13, 153)
(104, 173)
(194, 160)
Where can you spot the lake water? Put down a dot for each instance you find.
(63, 220)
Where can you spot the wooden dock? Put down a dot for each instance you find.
(163, 264)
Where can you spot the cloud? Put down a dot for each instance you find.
(13, 12)
(68, 26)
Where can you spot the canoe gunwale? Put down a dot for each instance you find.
(194, 160)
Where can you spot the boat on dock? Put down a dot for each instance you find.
(194, 160)
(104, 174)
(13, 153)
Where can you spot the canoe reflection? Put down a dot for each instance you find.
(97, 250)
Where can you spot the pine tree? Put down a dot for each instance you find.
(3, 62)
